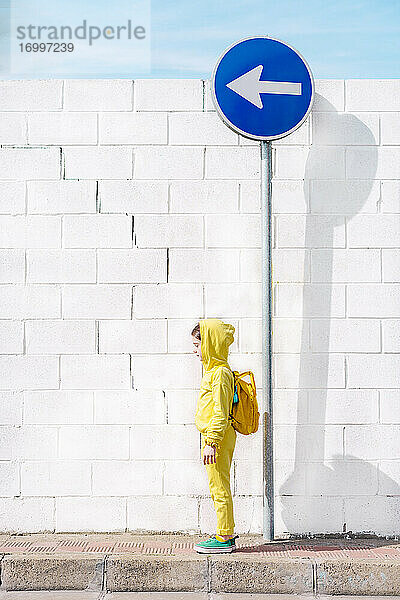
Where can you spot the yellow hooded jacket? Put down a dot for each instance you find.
(216, 388)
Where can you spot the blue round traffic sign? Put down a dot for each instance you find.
(262, 88)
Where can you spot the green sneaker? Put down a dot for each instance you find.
(214, 546)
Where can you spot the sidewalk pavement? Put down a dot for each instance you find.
(172, 596)
(130, 562)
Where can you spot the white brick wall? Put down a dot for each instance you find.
(127, 212)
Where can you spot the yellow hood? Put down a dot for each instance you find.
(216, 337)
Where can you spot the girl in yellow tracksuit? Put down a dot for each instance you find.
(211, 339)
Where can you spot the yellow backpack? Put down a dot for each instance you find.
(244, 414)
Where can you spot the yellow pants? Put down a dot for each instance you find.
(219, 482)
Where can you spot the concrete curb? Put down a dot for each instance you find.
(228, 573)
(368, 576)
(125, 573)
(52, 572)
(257, 574)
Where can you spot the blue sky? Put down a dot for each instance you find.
(339, 39)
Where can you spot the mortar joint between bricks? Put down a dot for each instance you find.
(98, 207)
(208, 574)
(167, 265)
(132, 292)
(96, 583)
(165, 406)
(1, 570)
(62, 163)
(104, 577)
(314, 578)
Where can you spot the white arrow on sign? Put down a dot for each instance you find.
(250, 87)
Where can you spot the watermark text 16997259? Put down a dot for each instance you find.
(80, 38)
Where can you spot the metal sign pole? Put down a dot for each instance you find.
(268, 473)
(263, 89)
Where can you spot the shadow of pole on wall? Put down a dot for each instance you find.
(330, 490)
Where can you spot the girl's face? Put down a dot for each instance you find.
(197, 347)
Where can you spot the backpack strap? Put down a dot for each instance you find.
(234, 397)
(250, 374)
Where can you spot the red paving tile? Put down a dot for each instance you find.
(369, 548)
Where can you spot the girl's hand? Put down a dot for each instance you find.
(209, 455)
